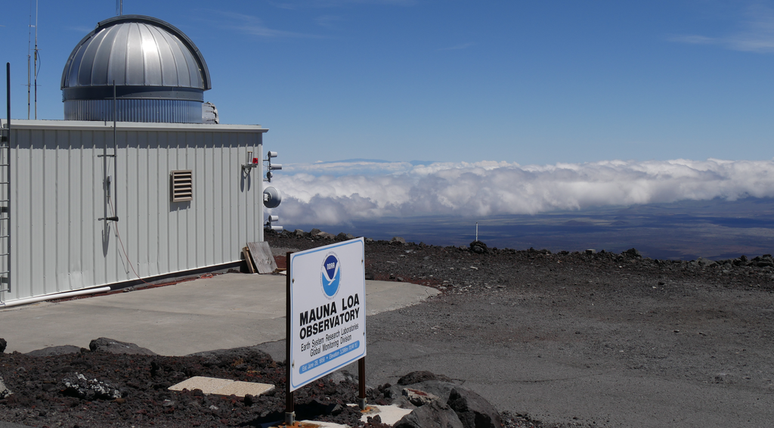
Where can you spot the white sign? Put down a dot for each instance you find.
(327, 310)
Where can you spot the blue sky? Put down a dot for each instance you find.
(450, 81)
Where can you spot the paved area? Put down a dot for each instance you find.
(225, 311)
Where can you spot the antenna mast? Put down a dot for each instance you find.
(119, 7)
(29, 58)
(35, 69)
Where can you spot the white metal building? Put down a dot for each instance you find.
(58, 196)
(95, 203)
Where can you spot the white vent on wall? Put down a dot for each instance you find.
(182, 186)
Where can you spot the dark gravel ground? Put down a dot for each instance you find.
(131, 390)
(134, 391)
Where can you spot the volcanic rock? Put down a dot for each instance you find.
(632, 252)
(55, 350)
(224, 357)
(434, 414)
(78, 385)
(4, 391)
(478, 247)
(473, 410)
(416, 377)
(417, 397)
(340, 376)
(112, 346)
(701, 261)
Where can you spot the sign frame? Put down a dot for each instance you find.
(326, 311)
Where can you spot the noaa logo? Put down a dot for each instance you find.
(331, 275)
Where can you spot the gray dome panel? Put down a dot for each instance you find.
(147, 58)
(136, 50)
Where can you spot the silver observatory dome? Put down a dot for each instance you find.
(159, 73)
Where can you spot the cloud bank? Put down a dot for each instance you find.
(341, 192)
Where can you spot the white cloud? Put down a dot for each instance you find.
(350, 167)
(327, 194)
(755, 35)
(694, 39)
(330, 22)
(254, 26)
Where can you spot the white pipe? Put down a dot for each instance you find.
(54, 296)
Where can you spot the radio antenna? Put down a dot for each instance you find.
(35, 68)
(119, 7)
(29, 59)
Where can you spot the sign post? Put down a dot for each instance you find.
(326, 316)
(289, 410)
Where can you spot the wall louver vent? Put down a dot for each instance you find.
(182, 186)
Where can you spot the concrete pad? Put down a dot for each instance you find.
(304, 424)
(317, 424)
(383, 296)
(216, 386)
(389, 415)
(241, 388)
(221, 312)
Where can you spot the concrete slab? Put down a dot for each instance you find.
(221, 312)
(313, 424)
(212, 385)
(389, 415)
(318, 424)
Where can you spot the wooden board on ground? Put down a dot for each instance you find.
(248, 259)
(262, 257)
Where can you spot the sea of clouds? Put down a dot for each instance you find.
(330, 193)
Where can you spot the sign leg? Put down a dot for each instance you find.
(290, 415)
(361, 381)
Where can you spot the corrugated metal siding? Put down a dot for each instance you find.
(59, 244)
(131, 110)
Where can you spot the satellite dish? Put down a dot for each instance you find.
(271, 197)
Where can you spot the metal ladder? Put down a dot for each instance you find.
(5, 210)
(5, 194)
